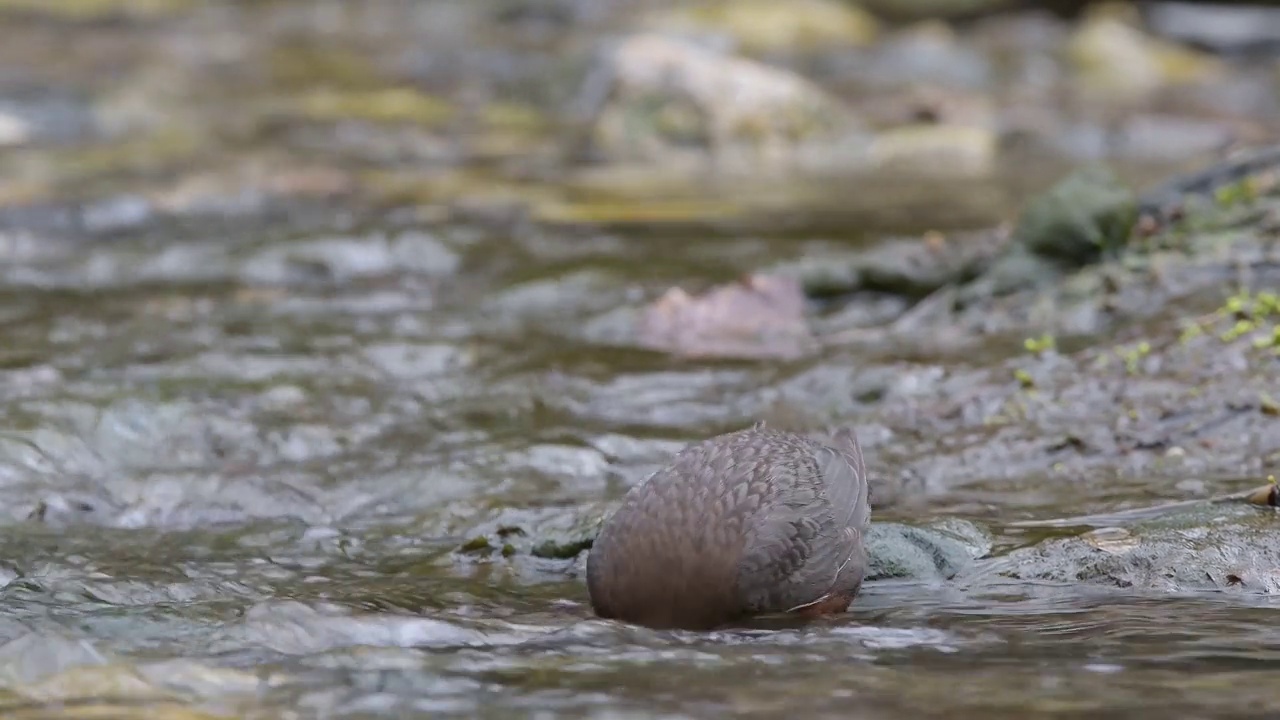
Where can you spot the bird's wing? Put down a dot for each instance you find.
(799, 547)
(845, 474)
(778, 547)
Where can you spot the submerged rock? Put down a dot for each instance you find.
(938, 551)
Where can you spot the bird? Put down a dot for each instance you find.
(753, 522)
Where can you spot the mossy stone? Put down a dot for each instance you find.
(1086, 216)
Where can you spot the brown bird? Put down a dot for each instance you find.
(748, 523)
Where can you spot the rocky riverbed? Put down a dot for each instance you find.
(333, 329)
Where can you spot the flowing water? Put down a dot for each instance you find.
(248, 444)
(253, 498)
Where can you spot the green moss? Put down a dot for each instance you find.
(1086, 216)
(1266, 304)
(1133, 356)
(1242, 327)
(1237, 193)
(1271, 340)
(1242, 315)
(1041, 344)
(476, 545)
(562, 550)
(1024, 378)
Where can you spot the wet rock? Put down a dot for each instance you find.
(915, 268)
(550, 534)
(824, 273)
(938, 551)
(659, 99)
(759, 317)
(1015, 270)
(564, 548)
(1224, 547)
(762, 26)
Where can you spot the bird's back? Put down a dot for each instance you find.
(738, 524)
(667, 556)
